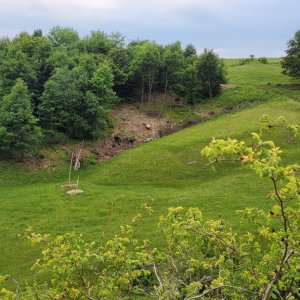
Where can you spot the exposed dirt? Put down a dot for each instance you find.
(74, 192)
(34, 163)
(132, 127)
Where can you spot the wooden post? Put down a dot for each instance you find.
(70, 170)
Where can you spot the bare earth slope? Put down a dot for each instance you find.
(132, 127)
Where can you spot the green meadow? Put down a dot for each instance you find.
(166, 172)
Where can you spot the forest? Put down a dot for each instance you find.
(66, 84)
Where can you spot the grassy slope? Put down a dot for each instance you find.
(156, 173)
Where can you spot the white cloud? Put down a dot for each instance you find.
(210, 23)
(108, 9)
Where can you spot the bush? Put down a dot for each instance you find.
(263, 60)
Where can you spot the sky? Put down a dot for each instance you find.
(233, 28)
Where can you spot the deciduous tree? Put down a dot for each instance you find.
(144, 66)
(291, 62)
(211, 73)
(172, 62)
(63, 37)
(73, 102)
(102, 85)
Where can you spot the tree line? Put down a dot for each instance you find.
(61, 82)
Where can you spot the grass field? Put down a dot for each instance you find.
(156, 173)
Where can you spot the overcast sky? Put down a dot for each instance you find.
(233, 28)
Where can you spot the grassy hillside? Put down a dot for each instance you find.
(156, 173)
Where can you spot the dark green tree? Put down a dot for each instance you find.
(172, 66)
(88, 63)
(60, 90)
(4, 44)
(190, 51)
(145, 65)
(191, 83)
(120, 67)
(37, 50)
(59, 59)
(14, 63)
(291, 63)
(69, 105)
(37, 33)
(211, 73)
(98, 42)
(18, 127)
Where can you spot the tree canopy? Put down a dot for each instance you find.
(291, 62)
(211, 72)
(18, 127)
(72, 82)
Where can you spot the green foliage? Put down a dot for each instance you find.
(211, 73)
(63, 36)
(191, 82)
(68, 105)
(203, 259)
(60, 59)
(172, 61)
(245, 61)
(291, 62)
(263, 60)
(18, 129)
(141, 67)
(98, 42)
(120, 68)
(25, 57)
(190, 51)
(144, 66)
(102, 85)
(15, 64)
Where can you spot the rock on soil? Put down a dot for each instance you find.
(74, 192)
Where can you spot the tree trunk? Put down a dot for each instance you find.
(150, 89)
(166, 85)
(142, 87)
(193, 100)
(209, 91)
(150, 83)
